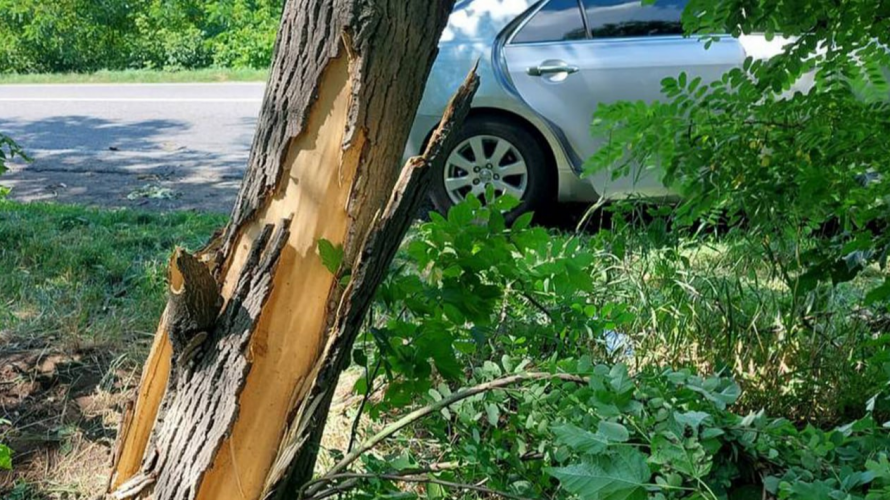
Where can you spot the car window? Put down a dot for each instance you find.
(557, 21)
(630, 18)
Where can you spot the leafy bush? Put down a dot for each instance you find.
(805, 167)
(243, 32)
(90, 35)
(472, 303)
(68, 35)
(161, 47)
(669, 435)
(468, 289)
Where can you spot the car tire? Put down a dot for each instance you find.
(493, 136)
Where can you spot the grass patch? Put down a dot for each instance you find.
(211, 75)
(72, 276)
(718, 302)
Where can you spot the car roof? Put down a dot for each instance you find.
(482, 20)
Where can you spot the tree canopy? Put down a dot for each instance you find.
(89, 35)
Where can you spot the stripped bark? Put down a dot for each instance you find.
(256, 332)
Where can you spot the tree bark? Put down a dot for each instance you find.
(235, 393)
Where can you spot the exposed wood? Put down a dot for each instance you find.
(288, 337)
(201, 402)
(139, 417)
(296, 458)
(258, 328)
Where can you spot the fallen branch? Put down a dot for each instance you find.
(314, 487)
(355, 478)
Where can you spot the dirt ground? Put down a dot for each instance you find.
(64, 409)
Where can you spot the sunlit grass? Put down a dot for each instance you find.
(210, 75)
(75, 276)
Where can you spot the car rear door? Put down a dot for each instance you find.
(624, 52)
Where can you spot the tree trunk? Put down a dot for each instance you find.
(235, 393)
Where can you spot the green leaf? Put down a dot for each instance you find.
(5, 458)
(614, 432)
(622, 475)
(712, 433)
(879, 294)
(580, 440)
(493, 413)
(403, 462)
(819, 490)
(331, 256)
(523, 221)
(692, 419)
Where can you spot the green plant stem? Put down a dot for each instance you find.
(707, 488)
(361, 409)
(538, 305)
(418, 480)
(313, 487)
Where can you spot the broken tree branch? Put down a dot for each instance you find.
(314, 487)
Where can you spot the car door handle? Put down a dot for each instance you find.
(551, 69)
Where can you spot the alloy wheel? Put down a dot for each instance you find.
(482, 161)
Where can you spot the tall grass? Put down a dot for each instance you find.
(722, 302)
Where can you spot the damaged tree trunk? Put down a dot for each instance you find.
(235, 393)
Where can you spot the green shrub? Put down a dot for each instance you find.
(805, 169)
(91, 35)
(167, 39)
(65, 36)
(669, 435)
(242, 32)
(472, 302)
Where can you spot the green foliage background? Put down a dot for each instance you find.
(89, 35)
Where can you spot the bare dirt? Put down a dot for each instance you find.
(64, 406)
(63, 410)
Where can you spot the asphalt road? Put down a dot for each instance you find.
(161, 146)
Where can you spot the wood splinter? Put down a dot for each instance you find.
(134, 487)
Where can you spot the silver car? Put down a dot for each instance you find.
(544, 67)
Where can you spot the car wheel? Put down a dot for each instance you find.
(493, 152)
